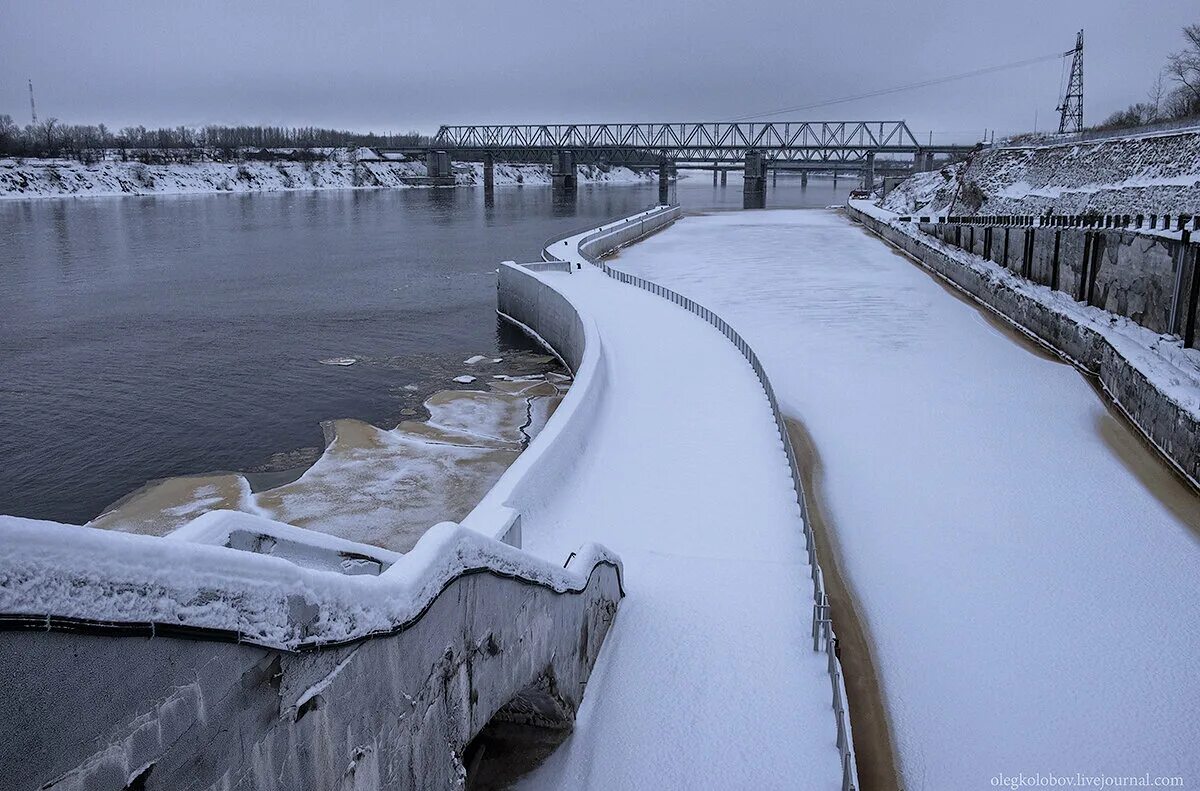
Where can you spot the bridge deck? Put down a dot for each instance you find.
(1026, 568)
(708, 679)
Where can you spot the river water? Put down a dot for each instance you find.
(147, 337)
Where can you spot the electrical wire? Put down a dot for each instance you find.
(898, 88)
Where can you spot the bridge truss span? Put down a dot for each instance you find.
(708, 142)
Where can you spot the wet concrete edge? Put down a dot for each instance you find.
(875, 756)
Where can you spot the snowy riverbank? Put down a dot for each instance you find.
(1157, 173)
(32, 178)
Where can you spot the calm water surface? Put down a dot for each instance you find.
(145, 337)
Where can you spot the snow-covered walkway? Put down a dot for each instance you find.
(708, 679)
(1027, 571)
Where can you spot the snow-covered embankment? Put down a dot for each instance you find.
(58, 178)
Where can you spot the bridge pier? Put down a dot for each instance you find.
(724, 176)
(489, 172)
(562, 172)
(754, 186)
(804, 179)
(715, 169)
(664, 184)
(835, 179)
(438, 169)
(868, 173)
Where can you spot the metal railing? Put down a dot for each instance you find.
(1180, 221)
(823, 636)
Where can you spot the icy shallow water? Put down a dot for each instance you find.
(1030, 590)
(143, 338)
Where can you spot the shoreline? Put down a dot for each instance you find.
(55, 178)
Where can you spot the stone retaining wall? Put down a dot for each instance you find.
(1148, 277)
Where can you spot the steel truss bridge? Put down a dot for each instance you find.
(784, 144)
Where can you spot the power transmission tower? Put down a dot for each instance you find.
(32, 107)
(1072, 103)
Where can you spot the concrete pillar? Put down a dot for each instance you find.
(489, 172)
(868, 173)
(664, 184)
(835, 179)
(715, 175)
(918, 165)
(438, 169)
(724, 176)
(928, 161)
(804, 179)
(774, 177)
(562, 171)
(754, 185)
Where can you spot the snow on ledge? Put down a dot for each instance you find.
(53, 571)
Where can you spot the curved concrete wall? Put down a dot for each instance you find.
(1172, 428)
(93, 712)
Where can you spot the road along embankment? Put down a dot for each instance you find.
(1154, 381)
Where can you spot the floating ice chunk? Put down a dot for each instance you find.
(497, 359)
(478, 358)
(411, 388)
(464, 379)
(338, 361)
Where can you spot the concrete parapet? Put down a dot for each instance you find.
(89, 711)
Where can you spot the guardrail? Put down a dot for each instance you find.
(1182, 221)
(823, 635)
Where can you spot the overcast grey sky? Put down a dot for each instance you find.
(374, 64)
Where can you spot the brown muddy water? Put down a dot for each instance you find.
(874, 755)
(378, 486)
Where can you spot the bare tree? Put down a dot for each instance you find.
(1156, 95)
(1183, 67)
(9, 132)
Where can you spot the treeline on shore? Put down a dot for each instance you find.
(89, 143)
(1174, 95)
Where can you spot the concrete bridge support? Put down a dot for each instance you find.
(563, 172)
(724, 177)
(664, 183)
(438, 168)
(804, 180)
(715, 171)
(489, 172)
(868, 173)
(754, 186)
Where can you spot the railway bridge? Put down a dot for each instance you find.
(869, 148)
